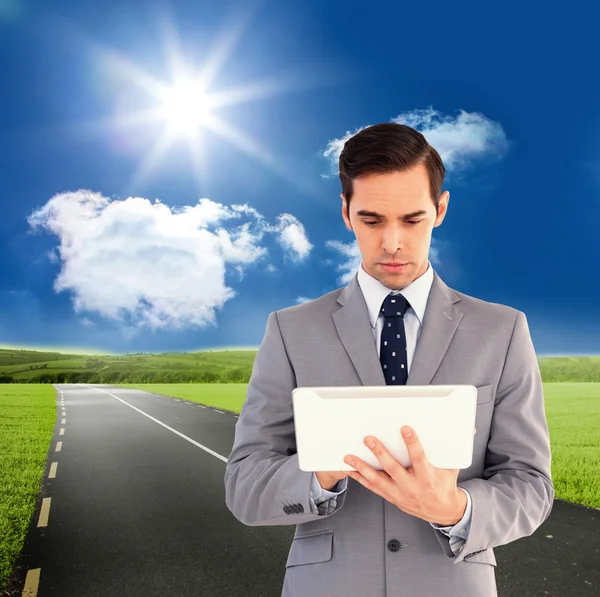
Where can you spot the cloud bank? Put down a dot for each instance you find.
(154, 266)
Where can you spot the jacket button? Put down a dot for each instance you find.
(393, 545)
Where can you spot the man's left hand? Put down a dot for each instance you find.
(422, 490)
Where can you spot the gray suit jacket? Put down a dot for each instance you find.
(359, 544)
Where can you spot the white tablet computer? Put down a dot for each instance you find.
(331, 422)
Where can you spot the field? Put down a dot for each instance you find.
(25, 366)
(220, 366)
(28, 415)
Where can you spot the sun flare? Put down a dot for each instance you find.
(186, 105)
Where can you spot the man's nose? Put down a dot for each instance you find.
(392, 240)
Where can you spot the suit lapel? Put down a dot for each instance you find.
(441, 319)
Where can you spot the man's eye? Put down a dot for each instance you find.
(413, 222)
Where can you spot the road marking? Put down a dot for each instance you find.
(62, 431)
(218, 411)
(189, 439)
(53, 468)
(31, 583)
(44, 513)
(64, 421)
(59, 446)
(201, 405)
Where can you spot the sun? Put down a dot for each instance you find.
(185, 108)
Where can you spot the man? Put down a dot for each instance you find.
(398, 532)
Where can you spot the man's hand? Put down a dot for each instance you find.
(328, 480)
(422, 490)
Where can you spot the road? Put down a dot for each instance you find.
(135, 506)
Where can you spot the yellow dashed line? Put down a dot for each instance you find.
(31, 583)
(52, 473)
(58, 446)
(45, 512)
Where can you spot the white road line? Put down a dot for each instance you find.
(62, 431)
(59, 446)
(201, 405)
(218, 411)
(64, 421)
(189, 439)
(31, 583)
(44, 513)
(52, 473)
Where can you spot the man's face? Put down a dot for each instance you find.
(391, 234)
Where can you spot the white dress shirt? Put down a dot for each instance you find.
(417, 294)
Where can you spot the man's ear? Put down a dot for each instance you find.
(345, 215)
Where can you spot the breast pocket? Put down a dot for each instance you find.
(310, 549)
(483, 417)
(484, 394)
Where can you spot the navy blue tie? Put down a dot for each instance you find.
(392, 352)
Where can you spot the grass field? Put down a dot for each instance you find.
(28, 415)
(25, 365)
(27, 419)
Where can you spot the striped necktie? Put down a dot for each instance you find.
(392, 353)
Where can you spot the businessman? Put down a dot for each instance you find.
(395, 532)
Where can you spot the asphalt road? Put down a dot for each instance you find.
(137, 508)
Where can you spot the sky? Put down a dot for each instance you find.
(168, 171)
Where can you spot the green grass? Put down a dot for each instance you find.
(573, 413)
(27, 419)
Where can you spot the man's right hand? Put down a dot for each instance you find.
(327, 480)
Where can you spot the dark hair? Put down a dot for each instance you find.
(389, 147)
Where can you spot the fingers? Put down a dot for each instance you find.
(415, 449)
(374, 480)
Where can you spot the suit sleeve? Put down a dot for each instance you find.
(459, 532)
(516, 493)
(264, 485)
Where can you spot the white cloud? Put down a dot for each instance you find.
(458, 139)
(291, 235)
(351, 253)
(159, 267)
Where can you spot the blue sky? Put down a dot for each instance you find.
(113, 244)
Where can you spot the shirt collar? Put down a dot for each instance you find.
(415, 293)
